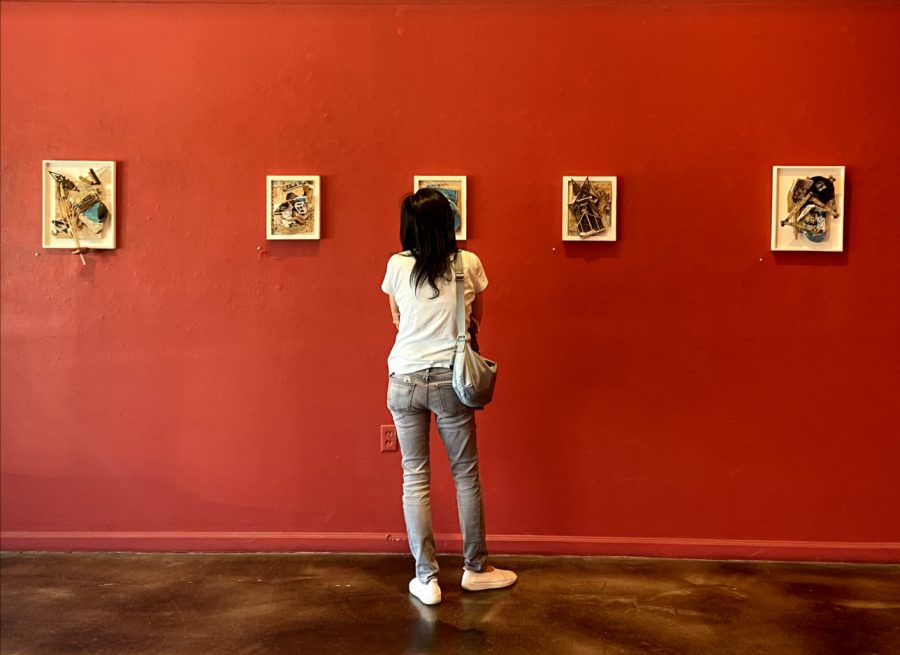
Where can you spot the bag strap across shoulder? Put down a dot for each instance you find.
(460, 302)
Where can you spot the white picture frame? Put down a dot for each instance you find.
(786, 238)
(73, 170)
(300, 215)
(570, 184)
(453, 183)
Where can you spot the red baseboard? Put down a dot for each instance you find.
(371, 542)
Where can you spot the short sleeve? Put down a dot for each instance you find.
(388, 284)
(479, 279)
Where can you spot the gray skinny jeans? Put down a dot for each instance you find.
(412, 397)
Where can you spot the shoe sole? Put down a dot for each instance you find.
(430, 601)
(484, 586)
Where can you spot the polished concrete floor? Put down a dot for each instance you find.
(312, 604)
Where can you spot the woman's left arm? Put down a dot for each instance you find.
(395, 311)
(477, 313)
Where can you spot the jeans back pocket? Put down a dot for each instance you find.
(450, 402)
(400, 395)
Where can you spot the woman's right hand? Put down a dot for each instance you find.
(395, 311)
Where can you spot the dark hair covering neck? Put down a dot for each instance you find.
(427, 232)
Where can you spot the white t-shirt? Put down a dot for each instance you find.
(427, 335)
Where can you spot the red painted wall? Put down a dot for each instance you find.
(683, 383)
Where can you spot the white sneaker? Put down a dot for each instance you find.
(430, 593)
(493, 579)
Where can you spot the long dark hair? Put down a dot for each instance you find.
(427, 231)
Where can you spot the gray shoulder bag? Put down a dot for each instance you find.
(473, 375)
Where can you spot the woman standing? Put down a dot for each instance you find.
(421, 287)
